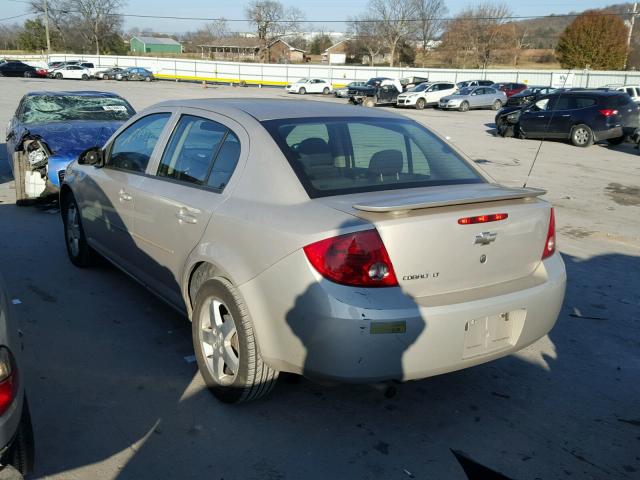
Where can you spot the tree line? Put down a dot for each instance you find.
(408, 32)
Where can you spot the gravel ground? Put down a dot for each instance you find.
(114, 394)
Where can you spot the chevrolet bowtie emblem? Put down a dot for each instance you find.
(485, 238)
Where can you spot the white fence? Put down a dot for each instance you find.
(270, 74)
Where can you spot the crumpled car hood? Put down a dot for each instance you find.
(74, 137)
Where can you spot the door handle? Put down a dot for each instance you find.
(185, 217)
(541, 116)
(566, 115)
(124, 196)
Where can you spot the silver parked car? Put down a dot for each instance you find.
(16, 432)
(474, 97)
(316, 238)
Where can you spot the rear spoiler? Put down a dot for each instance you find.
(447, 197)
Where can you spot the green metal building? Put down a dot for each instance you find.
(154, 45)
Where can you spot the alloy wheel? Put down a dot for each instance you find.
(581, 135)
(73, 230)
(219, 341)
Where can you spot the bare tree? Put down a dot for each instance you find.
(397, 22)
(517, 36)
(98, 17)
(272, 21)
(476, 33)
(429, 14)
(367, 36)
(93, 20)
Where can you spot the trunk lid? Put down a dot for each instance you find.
(433, 254)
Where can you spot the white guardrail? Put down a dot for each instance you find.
(338, 75)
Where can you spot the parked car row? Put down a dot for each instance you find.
(76, 70)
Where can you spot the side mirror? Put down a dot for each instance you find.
(92, 156)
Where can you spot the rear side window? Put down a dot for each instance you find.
(364, 154)
(584, 102)
(199, 153)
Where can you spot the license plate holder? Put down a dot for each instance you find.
(488, 334)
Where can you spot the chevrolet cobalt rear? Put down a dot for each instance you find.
(314, 238)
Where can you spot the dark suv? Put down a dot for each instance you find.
(582, 116)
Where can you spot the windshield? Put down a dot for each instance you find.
(419, 88)
(337, 156)
(302, 80)
(56, 108)
(464, 91)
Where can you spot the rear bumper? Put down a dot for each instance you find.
(314, 327)
(614, 132)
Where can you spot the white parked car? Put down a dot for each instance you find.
(310, 85)
(632, 90)
(425, 94)
(71, 71)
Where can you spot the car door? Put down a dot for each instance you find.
(566, 112)
(534, 119)
(104, 194)
(175, 201)
(475, 99)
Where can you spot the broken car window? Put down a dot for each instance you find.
(56, 108)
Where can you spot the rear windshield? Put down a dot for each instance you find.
(56, 108)
(334, 156)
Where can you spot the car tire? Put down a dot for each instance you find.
(420, 104)
(326, 91)
(58, 76)
(28, 74)
(79, 251)
(369, 102)
(581, 136)
(147, 79)
(497, 105)
(85, 76)
(21, 453)
(464, 107)
(616, 141)
(302, 91)
(220, 348)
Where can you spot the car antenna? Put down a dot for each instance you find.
(546, 129)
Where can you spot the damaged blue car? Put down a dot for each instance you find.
(50, 129)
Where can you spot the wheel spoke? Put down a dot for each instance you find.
(216, 316)
(218, 367)
(227, 328)
(230, 359)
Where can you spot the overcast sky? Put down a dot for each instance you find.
(314, 9)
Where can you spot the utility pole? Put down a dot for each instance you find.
(632, 22)
(46, 28)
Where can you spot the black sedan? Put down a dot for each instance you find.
(581, 116)
(17, 69)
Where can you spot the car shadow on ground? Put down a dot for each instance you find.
(111, 375)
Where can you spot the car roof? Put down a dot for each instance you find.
(267, 109)
(81, 93)
(581, 93)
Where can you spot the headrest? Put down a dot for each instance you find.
(386, 162)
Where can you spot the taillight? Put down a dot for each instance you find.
(357, 259)
(8, 380)
(495, 217)
(550, 244)
(608, 112)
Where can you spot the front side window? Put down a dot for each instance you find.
(132, 149)
(192, 149)
(333, 156)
